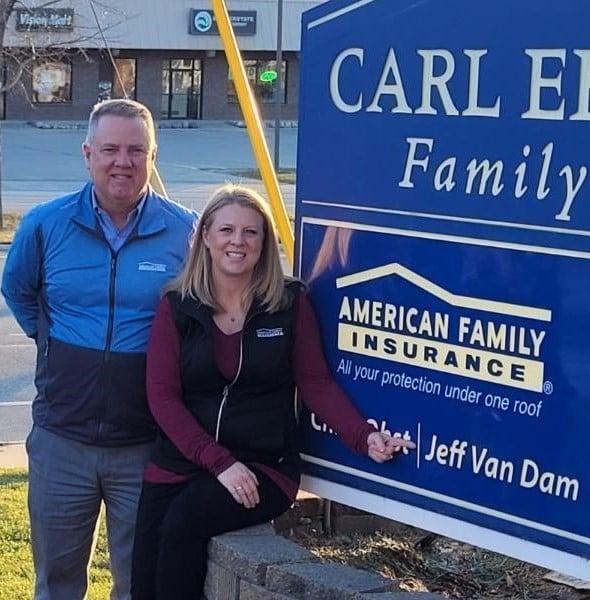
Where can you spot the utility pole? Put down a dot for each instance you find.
(279, 82)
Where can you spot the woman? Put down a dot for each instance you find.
(230, 342)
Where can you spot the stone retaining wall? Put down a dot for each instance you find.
(257, 564)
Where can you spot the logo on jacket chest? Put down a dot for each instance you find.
(150, 266)
(269, 333)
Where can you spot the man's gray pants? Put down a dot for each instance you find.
(67, 483)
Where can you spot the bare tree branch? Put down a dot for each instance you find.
(18, 61)
(6, 8)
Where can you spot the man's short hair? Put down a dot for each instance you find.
(130, 109)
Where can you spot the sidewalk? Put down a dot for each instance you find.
(13, 456)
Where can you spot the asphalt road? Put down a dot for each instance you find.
(39, 164)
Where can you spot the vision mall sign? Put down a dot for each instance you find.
(443, 217)
(45, 19)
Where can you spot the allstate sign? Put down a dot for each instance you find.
(202, 22)
(443, 221)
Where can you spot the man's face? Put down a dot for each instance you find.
(120, 160)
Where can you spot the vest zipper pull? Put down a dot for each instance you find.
(223, 401)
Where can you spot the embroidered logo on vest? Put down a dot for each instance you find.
(150, 266)
(267, 333)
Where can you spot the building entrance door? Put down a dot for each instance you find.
(181, 89)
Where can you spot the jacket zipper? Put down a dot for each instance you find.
(111, 318)
(110, 323)
(229, 385)
(110, 327)
(221, 406)
(113, 274)
(226, 388)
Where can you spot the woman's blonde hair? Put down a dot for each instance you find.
(267, 284)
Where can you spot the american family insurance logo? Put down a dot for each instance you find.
(477, 338)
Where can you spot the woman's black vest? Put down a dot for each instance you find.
(254, 416)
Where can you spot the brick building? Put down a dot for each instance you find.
(167, 53)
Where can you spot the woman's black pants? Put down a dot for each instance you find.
(174, 525)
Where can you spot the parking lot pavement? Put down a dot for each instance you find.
(15, 422)
(41, 164)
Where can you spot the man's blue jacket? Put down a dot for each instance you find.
(90, 310)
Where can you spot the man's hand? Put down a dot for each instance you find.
(241, 483)
(382, 446)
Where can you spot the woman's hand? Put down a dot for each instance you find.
(382, 446)
(241, 483)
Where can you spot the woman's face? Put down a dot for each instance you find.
(234, 238)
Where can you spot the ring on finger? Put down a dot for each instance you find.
(239, 488)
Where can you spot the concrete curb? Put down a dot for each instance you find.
(267, 123)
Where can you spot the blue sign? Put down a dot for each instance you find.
(443, 222)
(202, 22)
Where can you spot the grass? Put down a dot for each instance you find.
(11, 221)
(284, 175)
(16, 572)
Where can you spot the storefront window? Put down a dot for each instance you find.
(124, 85)
(262, 75)
(181, 88)
(52, 82)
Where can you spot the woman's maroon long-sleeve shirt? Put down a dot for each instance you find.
(315, 385)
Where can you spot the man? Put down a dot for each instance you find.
(83, 277)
